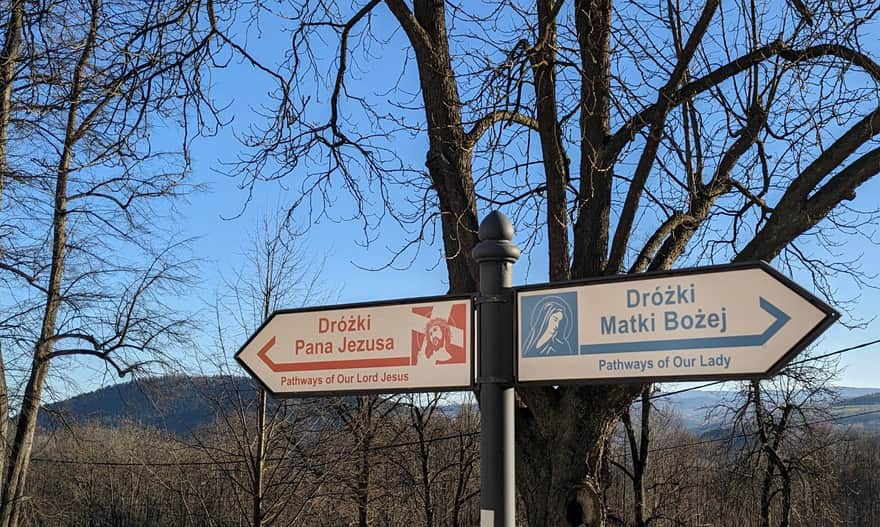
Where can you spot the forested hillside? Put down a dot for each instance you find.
(180, 451)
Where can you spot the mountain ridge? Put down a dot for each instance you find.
(180, 404)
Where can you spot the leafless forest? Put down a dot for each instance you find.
(414, 460)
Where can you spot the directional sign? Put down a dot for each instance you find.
(721, 322)
(405, 345)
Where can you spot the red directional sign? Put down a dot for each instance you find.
(417, 344)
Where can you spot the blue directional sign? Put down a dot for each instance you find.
(727, 322)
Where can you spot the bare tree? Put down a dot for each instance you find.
(775, 418)
(89, 473)
(639, 450)
(421, 410)
(655, 472)
(83, 270)
(278, 445)
(9, 63)
(361, 420)
(274, 473)
(629, 137)
(438, 460)
(857, 476)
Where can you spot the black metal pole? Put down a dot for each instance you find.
(496, 254)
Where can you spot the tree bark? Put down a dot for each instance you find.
(419, 422)
(555, 160)
(365, 421)
(8, 62)
(767, 493)
(259, 459)
(775, 462)
(565, 481)
(561, 485)
(593, 25)
(22, 445)
(639, 450)
(449, 152)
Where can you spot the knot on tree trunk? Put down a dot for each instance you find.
(438, 163)
(583, 508)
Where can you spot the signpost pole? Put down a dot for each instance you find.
(496, 254)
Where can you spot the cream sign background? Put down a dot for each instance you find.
(730, 323)
(410, 345)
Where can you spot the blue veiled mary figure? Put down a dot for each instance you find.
(550, 329)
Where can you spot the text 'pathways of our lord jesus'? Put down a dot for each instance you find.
(414, 343)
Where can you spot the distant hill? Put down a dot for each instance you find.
(870, 399)
(695, 407)
(177, 404)
(849, 393)
(180, 404)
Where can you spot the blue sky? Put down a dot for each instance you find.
(222, 226)
(221, 241)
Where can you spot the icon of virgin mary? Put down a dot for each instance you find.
(550, 329)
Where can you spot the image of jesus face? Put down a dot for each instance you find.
(437, 339)
(436, 336)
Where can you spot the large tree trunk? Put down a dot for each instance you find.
(13, 491)
(449, 152)
(555, 160)
(593, 24)
(561, 486)
(21, 447)
(566, 478)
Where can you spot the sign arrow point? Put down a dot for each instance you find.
(263, 354)
(781, 317)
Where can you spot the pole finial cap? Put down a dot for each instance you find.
(496, 226)
(496, 240)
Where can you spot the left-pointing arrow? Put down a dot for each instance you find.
(263, 354)
(313, 365)
(780, 318)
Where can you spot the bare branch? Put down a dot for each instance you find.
(778, 48)
(483, 124)
(797, 211)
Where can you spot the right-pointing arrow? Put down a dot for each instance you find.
(780, 318)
